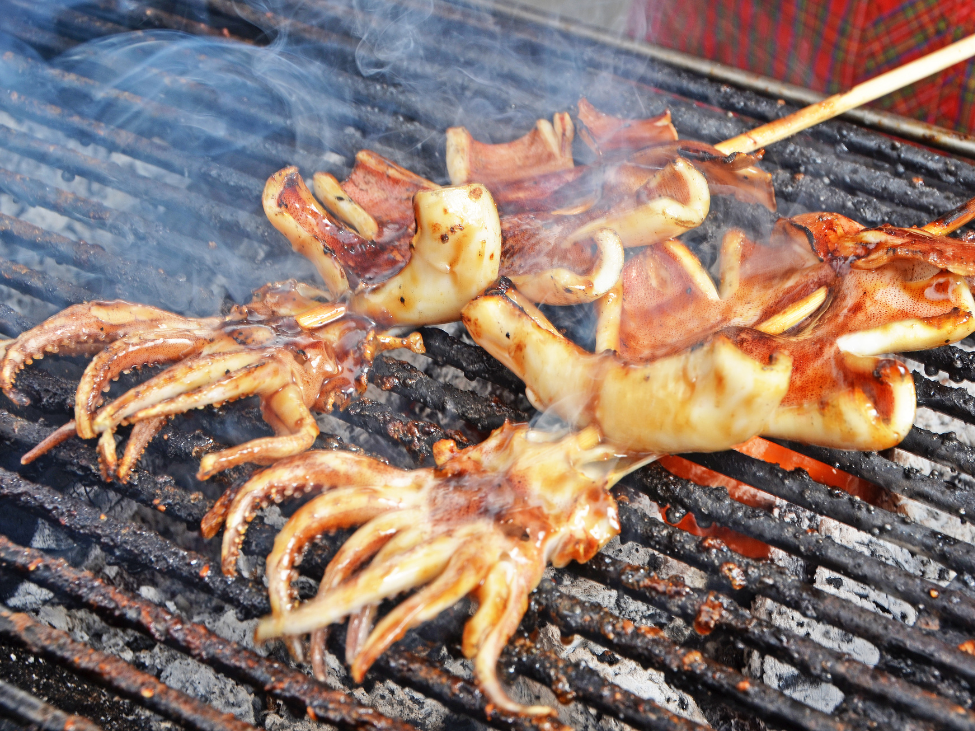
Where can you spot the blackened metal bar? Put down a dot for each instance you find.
(194, 639)
(733, 572)
(121, 140)
(135, 546)
(798, 488)
(708, 611)
(25, 707)
(414, 435)
(78, 457)
(713, 505)
(574, 681)
(34, 76)
(117, 675)
(391, 374)
(120, 276)
(902, 480)
(957, 363)
(152, 192)
(42, 286)
(941, 448)
(429, 678)
(956, 402)
(473, 360)
(682, 666)
(12, 323)
(158, 492)
(37, 38)
(129, 227)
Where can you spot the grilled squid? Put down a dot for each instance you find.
(874, 291)
(486, 521)
(296, 347)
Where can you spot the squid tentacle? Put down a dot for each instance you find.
(413, 568)
(317, 471)
(133, 351)
(464, 571)
(173, 382)
(142, 433)
(363, 545)
(80, 330)
(299, 432)
(339, 508)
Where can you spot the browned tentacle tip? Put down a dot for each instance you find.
(212, 521)
(16, 396)
(228, 565)
(59, 435)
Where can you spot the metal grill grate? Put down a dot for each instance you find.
(131, 165)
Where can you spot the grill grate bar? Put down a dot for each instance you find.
(955, 402)
(130, 227)
(910, 483)
(941, 448)
(799, 489)
(25, 707)
(117, 674)
(135, 546)
(153, 192)
(32, 77)
(45, 287)
(119, 275)
(733, 572)
(579, 682)
(714, 505)
(408, 381)
(193, 639)
(683, 667)
(22, 106)
(425, 676)
(709, 611)
(472, 360)
(957, 363)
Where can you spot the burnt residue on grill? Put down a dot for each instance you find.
(112, 187)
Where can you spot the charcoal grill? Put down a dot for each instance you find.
(134, 141)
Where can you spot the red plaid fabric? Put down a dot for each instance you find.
(826, 45)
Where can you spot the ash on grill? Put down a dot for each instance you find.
(131, 165)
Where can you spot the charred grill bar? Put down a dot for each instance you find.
(157, 177)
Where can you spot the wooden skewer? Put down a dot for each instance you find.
(858, 95)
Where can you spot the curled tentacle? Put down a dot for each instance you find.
(339, 508)
(179, 382)
(81, 330)
(485, 517)
(58, 436)
(134, 351)
(547, 148)
(311, 472)
(142, 433)
(410, 569)
(294, 424)
(464, 571)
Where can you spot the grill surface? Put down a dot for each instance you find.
(134, 141)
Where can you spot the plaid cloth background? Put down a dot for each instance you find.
(826, 45)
